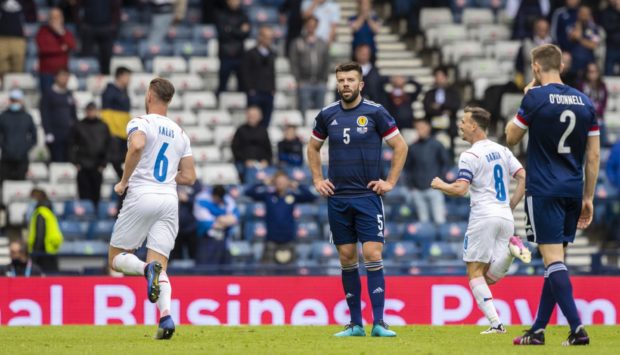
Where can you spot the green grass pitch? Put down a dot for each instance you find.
(126, 340)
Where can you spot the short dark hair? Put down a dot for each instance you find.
(548, 56)
(440, 69)
(481, 116)
(218, 191)
(62, 71)
(349, 66)
(120, 71)
(162, 88)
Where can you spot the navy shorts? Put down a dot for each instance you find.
(552, 220)
(356, 219)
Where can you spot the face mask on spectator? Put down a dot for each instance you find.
(15, 106)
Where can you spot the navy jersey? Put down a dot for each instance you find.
(355, 138)
(560, 119)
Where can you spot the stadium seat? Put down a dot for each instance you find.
(421, 232)
(308, 231)
(323, 251)
(455, 52)
(149, 51)
(282, 101)
(276, 134)
(288, 117)
(84, 247)
(452, 231)
(37, 172)
(261, 15)
(132, 63)
(189, 48)
(397, 196)
(286, 82)
(204, 33)
(255, 175)
(165, 65)
(306, 212)
(60, 191)
(204, 65)
(303, 251)
(187, 82)
(179, 32)
(140, 82)
(82, 98)
(208, 154)
(214, 117)
(72, 230)
(282, 65)
(79, 210)
(490, 33)
(613, 85)
(401, 251)
(435, 17)
(31, 29)
(17, 213)
(393, 231)
(300, 174)
(83, 66)
(133, 31)
(475, 17)
(443, 251)
(24, 81)
(101, 229)
(124, 48)
(62, 172)
(403, 213)
(96, 84)
(232, 100)
(107, 210)
(199, 135)
(220, 174)
(476, 68)
(254, 231)
(16, 191)
(457, 212)
(223, 135)
(199, 100)
(510, 104)
(241, 252)
(184, 118)
(504, 50)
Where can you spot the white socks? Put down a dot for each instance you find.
(128, 264)
(165, 294)
(484, 298)
(499, 266)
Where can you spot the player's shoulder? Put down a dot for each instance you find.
(329, 110)
(471, 154)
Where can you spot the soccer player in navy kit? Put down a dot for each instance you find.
(562, 134)
(355, 128)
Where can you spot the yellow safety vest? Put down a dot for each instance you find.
(53, 235)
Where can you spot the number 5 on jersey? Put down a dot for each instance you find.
(346, 137)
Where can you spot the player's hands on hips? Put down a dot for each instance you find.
(587, 211)
(380, 186)
(120, 188)
(436, 183)
(324, 187)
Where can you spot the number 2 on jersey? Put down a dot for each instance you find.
(562, 148)
(500, 187)
(161, 164)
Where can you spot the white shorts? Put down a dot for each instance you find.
(487, 238)
(154, 217)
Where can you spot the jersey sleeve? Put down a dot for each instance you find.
(514, 165)
(137, 124)
(593, 129)
(385, 124)
(188, 148)
(467, 166)
(524, 116)
(319, 132)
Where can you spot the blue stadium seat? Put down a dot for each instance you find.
(83, 66)
(394, 231)
(452, 231)
(188, 48)
(260, 15)
(322, 215)
(397, 196)
(402, 251)
(403, 213)
(308, 231)
(134, 31)
(306, 212)
(148, 51)
(254, 175)
(300, 174)
(303, 251)
(254, 230)
(204, 33)
(255, 211)
(241, 252)
(31, 29)
(101, 229)
(179, 32)
(107, 210)
(125, 48)
(72, 230)
(323, 251)
(32, 49)
(421, 232)
(442, 251)
(79, 210)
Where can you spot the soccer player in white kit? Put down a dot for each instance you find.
(159, 157)
(490, 246)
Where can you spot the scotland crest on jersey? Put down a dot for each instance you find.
(362, 122)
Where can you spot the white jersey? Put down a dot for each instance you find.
(166, 145)
(488, 166)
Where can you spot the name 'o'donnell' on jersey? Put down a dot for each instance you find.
(559, 119)
(355, 140)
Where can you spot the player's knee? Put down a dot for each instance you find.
(348, 258)
(373, 265)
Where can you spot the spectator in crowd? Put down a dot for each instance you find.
(524, 13)
(584, 39)
(365, 25)
(187, 238)
(458, 6)
(280, 195)
(426, 159)
(88, 151)
(524, 58)
(328, 14)
(58, 114)
(594, 87)
(290, 15)
(373, 81)
(251, 146)
(562, 23)
(233, 27)
(610, 21)
(115, 113)
(98, 27)
(12, 41)
(210, 9)
(54, 44)
(216, 215)
(18, 135)
(259, 73)
(290, 149)
(399, 101)
(21, 264)
(309, 58)
(441, 104)
(45, 236)
(162, 15)
(569, 77)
